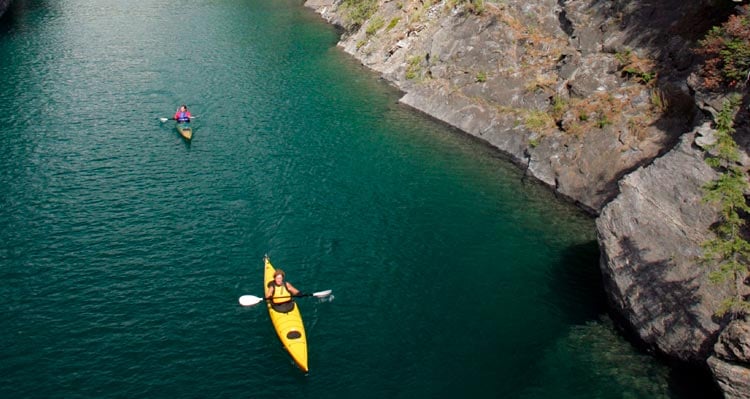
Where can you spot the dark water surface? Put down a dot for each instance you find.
(123, 249)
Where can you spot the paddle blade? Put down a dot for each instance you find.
(322, 294)
(250, 300)
(163, 120)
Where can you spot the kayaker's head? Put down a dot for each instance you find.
(183, 108)
(278, 276)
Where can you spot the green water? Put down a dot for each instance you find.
(123, 248)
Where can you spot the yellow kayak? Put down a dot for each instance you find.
(185, 130)
(288, 325)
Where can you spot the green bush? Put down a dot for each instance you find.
(374, 26)
(641, 76)
(393, 23)
(539, 121)
(559, 106)
(360, 11)
(603, 121)
(476, 6)
(414, 68)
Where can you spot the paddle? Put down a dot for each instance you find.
(171, 119)
(252, 300)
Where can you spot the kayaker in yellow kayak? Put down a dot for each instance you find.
(281, 293)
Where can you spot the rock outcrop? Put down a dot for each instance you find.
(595, 99)
(650, 238)
(541, 84)
(731, 362)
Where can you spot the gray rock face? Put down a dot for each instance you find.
(650, 237)
(498, 76)
(733, 379)
(731, 363)
(734, 342)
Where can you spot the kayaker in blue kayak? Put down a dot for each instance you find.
(182, 115)
(281, 293)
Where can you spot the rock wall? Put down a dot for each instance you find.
(538, 82)
(729, 363)
(594, 99)
(650, 238)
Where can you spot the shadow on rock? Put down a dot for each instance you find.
(670, 307)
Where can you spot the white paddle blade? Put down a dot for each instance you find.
(250, 300)
(322, 294)
(163, 120)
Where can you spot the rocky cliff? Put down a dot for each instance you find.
(650, 238)
(593, 98)
(545, 83)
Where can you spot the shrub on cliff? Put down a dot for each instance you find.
(728, 250)
(359, 11)
(727, 52)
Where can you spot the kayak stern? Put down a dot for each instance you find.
(185, 130)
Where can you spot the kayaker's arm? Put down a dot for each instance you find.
(269, 292)
(291, 289)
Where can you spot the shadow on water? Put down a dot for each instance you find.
(692, 383)
(13, 17)
(579, 283)
(8, 20)
(579, 286)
